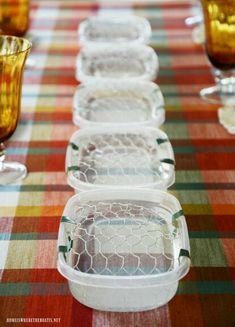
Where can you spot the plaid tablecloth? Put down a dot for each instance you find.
(30, 212)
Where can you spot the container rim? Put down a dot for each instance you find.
(122, 281)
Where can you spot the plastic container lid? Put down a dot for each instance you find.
(116, 61)
(123, 250)
(114, 157)
(118, 102)
(107, 29)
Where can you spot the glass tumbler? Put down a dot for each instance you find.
(13, 53)
(14, 17)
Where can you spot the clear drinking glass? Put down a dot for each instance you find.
(14, 17)
(219, 19)
(13, 53)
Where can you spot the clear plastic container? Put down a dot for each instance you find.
(116, 61)
(118, 102)
(116, 157)
(113, 29)
(123, 250)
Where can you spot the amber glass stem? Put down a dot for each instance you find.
(225, 81)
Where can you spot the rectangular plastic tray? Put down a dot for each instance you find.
(117, 157)
(129, 103)
(111, 29)
(116, 61)
(123, 250)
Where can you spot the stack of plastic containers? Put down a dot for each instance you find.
(123, 241)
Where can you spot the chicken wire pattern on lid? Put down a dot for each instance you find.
(131, 243)
(105, 29)
(117, 158)
(116, 61)
(123, 238)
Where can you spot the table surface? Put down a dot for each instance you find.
(30, 211)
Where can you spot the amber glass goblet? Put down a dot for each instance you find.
(219, 20)
(13, 53)
(14, 17)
